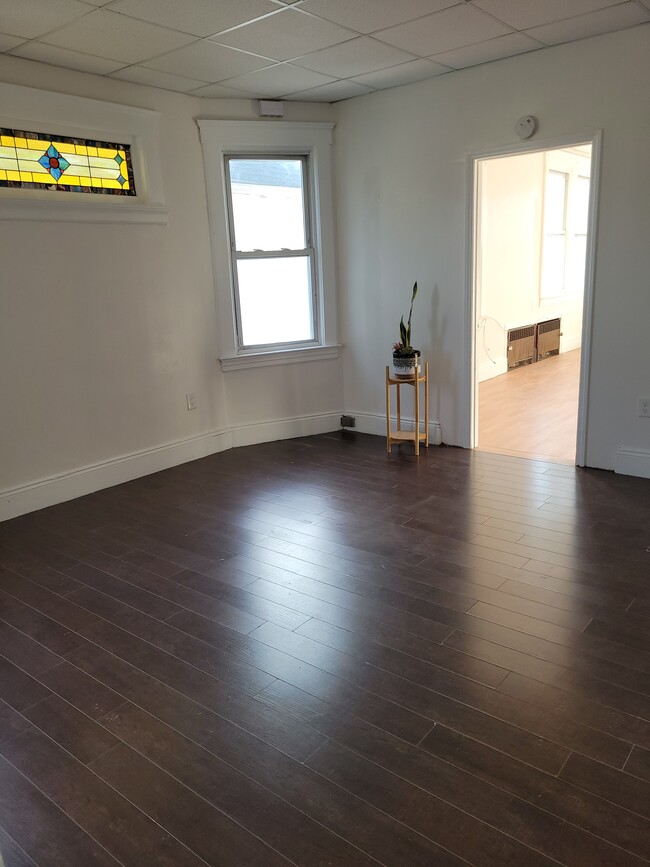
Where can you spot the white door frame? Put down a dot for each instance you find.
(471, 378)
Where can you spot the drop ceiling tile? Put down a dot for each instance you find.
(107, 34)
(9, 42)
(405, 73)
(64, 57)
(289, 33)
(155, 78)
(354, 57)
(592, 24)
(208, 61)
(443, 31)
(523, 14)
(330, 92)
(366, 16)
(38, 16)
(484, 52)
(219, 91)
(278, 80)
(199, 17)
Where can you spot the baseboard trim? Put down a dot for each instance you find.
(285, 428)
(375, 423)
(106, 474)
(489, 369)
(633, 462)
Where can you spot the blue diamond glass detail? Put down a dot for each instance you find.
(54, 163)
(118, 159)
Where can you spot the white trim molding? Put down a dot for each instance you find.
(633, 462)
(222, 137)
(63, 114)
(106, 474)
(289, 356)
(285, 428)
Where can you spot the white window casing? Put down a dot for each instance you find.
(311, 141)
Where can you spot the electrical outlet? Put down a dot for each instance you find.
(190, 397)
(644, 407)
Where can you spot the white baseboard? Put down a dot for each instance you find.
(489, 369)
(374, 423)
(285, 429)
(85, 480)
(568, 344)
(633, 462)
(106, 474)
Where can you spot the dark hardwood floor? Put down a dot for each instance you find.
(310, 653)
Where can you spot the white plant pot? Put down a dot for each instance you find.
(405, 366)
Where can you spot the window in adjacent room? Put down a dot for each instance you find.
(566, 210)
(269, 216)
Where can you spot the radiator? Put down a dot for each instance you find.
(548, 338)
(521, 346)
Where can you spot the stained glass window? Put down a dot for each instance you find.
(35, 161)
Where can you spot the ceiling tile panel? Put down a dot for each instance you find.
(289, 33)
(405, 73)
(107, 34)
(493, 49)
(330, 92)
(67, 58)
(220, 91)
(354, 57)
(594, 24)
(277, 80)
(8, 42)
(199, 17)
(33, 18)
(367, 16)
(155, 78)
(523, 14)
(443, 31)
(207, 61)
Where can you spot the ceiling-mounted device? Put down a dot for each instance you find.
(526, 126)
(270, 108)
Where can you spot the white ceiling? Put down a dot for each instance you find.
(312, 50)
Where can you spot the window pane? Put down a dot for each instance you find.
(268, 204)
(555, 202)
(275, 300)
(553, 266)
(576, 265)
(581, 205)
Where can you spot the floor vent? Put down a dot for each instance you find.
(548, 338)
(521, 346)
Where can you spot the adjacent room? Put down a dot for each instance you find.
(235, 629)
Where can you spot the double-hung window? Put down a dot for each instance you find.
(269, 216)
(271, 220)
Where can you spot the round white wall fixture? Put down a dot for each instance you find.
(526, 126)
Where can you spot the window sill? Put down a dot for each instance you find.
(282, 356)
(77, 210)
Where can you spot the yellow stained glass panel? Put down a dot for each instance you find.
(55, 162)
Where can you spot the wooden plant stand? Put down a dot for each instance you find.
(415, 436)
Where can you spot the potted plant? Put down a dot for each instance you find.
(406, 360)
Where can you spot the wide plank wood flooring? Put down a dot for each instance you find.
(532, 411)
(310, 653)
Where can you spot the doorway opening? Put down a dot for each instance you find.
(533, 229)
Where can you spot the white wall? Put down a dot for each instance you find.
(104, 328)
(509, 241)
(401, 159)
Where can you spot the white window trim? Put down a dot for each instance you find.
(76, 116)
(221, 137)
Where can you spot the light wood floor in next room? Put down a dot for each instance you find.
(532, 411)
(313, 654)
